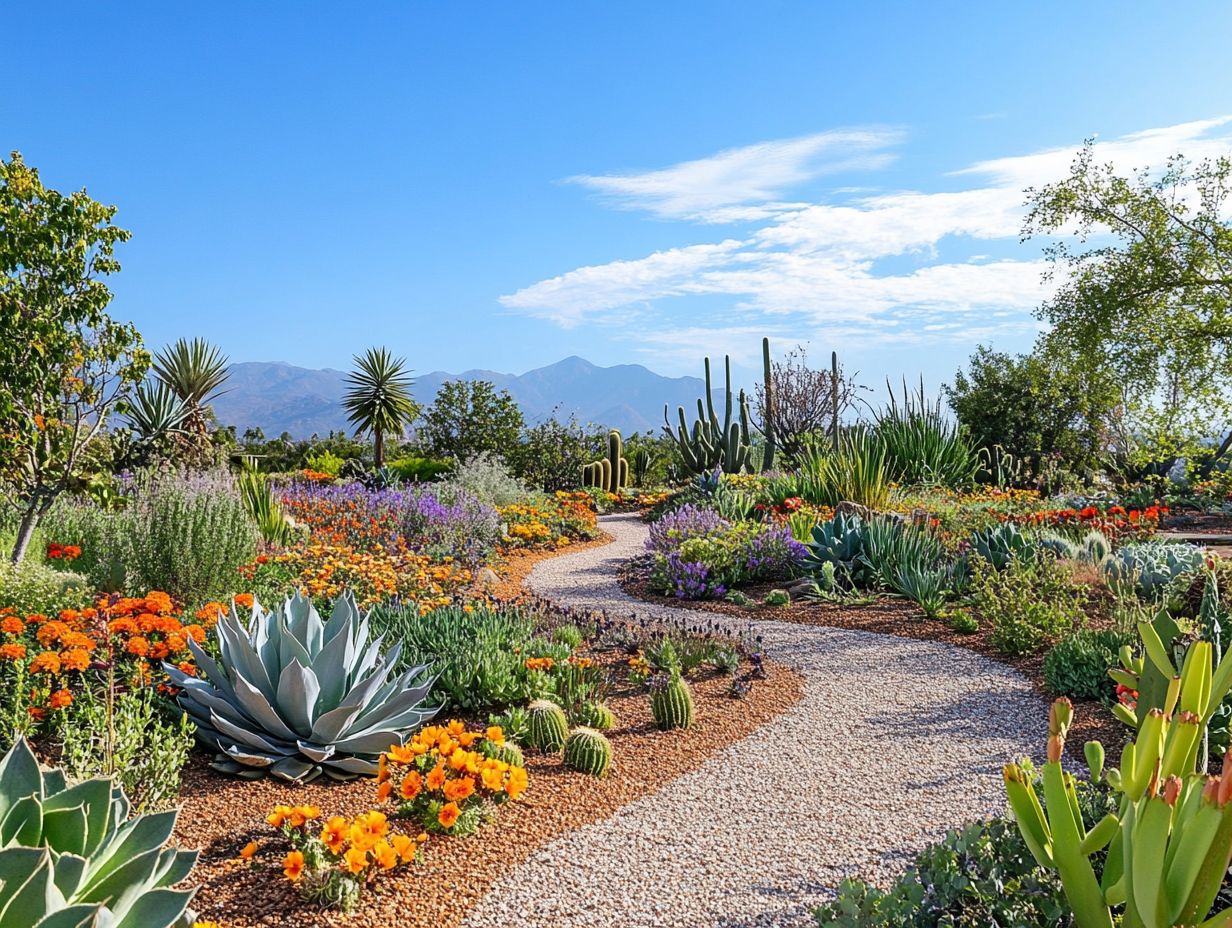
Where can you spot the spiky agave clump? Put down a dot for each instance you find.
(296, 697)
(671, 703)
(596, 715)
(75, 858)
(548, 726)
(588, 751)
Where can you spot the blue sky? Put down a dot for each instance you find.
(502, 185)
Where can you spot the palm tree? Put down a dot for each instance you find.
(195, 370)
(379, 398)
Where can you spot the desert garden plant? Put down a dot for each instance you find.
(297, 697)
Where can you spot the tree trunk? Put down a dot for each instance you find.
(378, 452)
(25, 531)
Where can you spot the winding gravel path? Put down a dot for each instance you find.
(895, 741)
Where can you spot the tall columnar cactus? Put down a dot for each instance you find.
(767, 426)
(547, 726)
(610, 473)
(671, 704)
(588, 751)
(712, 443)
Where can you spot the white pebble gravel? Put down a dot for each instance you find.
(895, 741)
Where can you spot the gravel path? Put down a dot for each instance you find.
(894, 742)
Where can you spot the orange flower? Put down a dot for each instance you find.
(11, 625)
(495, 734)
(436, 777)
(60, 699)
(278, 816)
(12, 652)
(385, 856)
(37, 714)
(334, 834)
(401, 753)
(138, 646)
(293, 866)
(383, 790)
(448, 815)
(249, 849)
(517, 782)
(405, 847)
(300, 815)
(75, 659)
(412, 785)
(243, 599)
(457, 790)
(355, 860)
(45, 662)
(372, 825)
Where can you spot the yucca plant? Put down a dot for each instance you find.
(154, 411)
(378, 398)
(297, 697)
(196, 371)
(857, 472)
(73, 856)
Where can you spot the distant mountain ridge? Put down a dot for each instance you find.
(277, 397)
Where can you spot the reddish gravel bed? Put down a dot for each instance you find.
(221, 814)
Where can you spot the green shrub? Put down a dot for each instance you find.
(964, 623)
(419, 470)
(923, 445)
(33, 587)
(1078, 665)
(325, 462)
(137, 740)
(1028, 604)
(980, 876)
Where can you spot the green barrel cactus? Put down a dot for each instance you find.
(548, 728)
(75, 857)
(596, 715)
(588, 751)
(510, 754)
(671, 704)
(297, 697)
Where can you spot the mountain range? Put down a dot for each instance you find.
(277, 397)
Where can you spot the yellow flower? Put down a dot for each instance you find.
(355, 860)
(384, 855)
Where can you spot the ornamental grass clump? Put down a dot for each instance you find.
(297, 697)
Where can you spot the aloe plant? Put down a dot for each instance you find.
(73, 856)
(294, 696)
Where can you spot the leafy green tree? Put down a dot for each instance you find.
(1144, 272)
(469, 417)
(1032, 407)
(65, 364)
(378, 398)
(551, 454)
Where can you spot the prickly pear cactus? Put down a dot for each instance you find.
(547, 728)
(671, 704)
(588, 751)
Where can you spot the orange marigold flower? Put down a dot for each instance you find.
(138, 646)
(60, 699)
(249, 849)
(244, 599)
(12, 652)
(448, 815)
(45, 662)
(124, 626)
(293, 866)
(158, 601)
(75, 659)
(11, 625)
(37, 714)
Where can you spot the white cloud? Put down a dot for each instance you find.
(743, 184)
(891, 267)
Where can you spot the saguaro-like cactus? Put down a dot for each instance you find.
(767, 425)
(612, 472)
(711, 443)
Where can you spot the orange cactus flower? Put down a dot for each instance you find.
(334, 834)
(448, 815)
(248, 851)
(457, 790)
(412, 786)
(355, 860)
(293, 866)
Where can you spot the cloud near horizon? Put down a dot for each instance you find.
(868, 263)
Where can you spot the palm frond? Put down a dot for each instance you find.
(378, 398)
(195, 370)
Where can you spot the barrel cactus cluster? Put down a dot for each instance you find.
(671, 703)
(596, 715)
(298, 697)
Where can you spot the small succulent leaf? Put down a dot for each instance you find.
(70, 871)
(298, 690)
(295, 769)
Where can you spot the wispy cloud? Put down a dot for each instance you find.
(891, 266)
(742, 184)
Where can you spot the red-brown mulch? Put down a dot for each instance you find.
(1093, 721)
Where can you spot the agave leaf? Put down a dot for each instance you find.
(35, 894)
(240, 735)
(343, 767)
(53, 781)
(136, 836)
(330, 667)
(95, 798)
(84, 915)
(328, 726)
(289, 649)
(19, 775)
(244, 662)
(261, 710)
(298, 690)
(341, 617)
(371, 741)
(235, 752)
(66, 829)
(23, 824)
(208, 668)
(69, 873)
(295, 769)
(17, 865)
(315, 752)
(160, 908)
